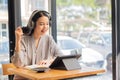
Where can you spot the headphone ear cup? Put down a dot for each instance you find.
(32, 24)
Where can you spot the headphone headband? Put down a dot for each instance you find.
(33, 14)
(30, 19)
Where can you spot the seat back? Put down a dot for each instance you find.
(5, 68)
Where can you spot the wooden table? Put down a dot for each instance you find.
(56, 74)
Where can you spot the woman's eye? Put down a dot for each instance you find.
(41, 24)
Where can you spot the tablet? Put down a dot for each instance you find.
(68, 62)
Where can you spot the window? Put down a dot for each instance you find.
(4, 40)
(88, 22)
(3, 5)
(28, 6)
(4, 26)
(4, 34)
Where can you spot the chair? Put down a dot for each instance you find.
(5, 68)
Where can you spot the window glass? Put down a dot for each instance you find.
(4, 26)
(89, 23)
(4, 36)
(69, 44)
(28, 6)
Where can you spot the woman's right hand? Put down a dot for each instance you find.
(18, 33)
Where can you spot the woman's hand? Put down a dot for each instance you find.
(18, 33)
(45, 62)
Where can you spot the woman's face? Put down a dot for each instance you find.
(42, 25)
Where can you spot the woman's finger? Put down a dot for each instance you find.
(44, 62)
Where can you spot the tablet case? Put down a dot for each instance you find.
(68, 62)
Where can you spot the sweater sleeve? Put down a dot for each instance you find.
(19, 59)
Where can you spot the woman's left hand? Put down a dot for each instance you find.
(45, 62)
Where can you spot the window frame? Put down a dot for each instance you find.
(14, 19)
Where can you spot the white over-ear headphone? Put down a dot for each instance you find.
(30, 22)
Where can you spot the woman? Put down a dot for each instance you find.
(36, 47)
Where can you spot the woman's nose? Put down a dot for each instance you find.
(46, 26)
